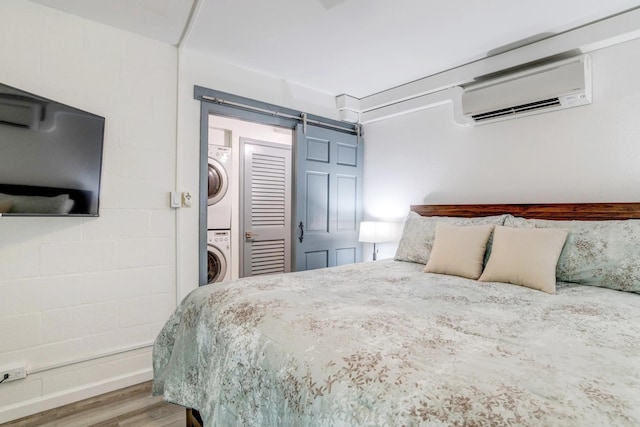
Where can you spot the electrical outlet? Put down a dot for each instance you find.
(17, 373)
(187, 200)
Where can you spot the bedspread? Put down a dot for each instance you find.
(381, 343)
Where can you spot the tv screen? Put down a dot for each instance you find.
(50, 157)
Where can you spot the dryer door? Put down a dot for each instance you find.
(217, 265)
(217, 182)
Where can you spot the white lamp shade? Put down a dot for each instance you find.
(375, 232)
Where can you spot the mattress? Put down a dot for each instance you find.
(382, 343)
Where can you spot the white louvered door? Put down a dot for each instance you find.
(266, 209)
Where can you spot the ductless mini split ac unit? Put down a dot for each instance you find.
(541, 89)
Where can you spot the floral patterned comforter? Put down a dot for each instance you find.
(381, 343)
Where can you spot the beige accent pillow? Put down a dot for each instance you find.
(525, 257)
(5, 206)
(459, 250)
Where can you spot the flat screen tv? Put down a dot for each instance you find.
(50, 157)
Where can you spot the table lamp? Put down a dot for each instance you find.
(375, 232)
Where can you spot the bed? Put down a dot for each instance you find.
(384, 343)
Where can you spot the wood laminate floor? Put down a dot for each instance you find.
(130, 407)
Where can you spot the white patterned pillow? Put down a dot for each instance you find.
(419, 234)
(597, 253)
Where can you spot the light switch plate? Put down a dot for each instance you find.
(175, 199)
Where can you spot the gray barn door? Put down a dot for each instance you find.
(266, 208)
(328, 198)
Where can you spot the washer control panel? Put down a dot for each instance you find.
(219, 237)
(219, 153)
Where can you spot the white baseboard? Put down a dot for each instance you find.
(44, 403)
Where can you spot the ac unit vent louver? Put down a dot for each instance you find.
(518, 109)
(537, 90)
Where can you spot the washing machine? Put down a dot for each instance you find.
(219, 191)
(218, 256)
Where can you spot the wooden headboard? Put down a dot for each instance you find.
(556, 211)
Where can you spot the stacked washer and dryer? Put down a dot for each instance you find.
(219, 214)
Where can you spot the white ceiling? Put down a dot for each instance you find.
(358, 47)
(163, 20)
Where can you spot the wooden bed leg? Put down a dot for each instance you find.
(192, 420)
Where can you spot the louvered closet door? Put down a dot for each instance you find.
(266, 208)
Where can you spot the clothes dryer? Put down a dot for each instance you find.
(218, 256)
(219, 191)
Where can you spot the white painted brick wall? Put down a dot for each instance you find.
(19, 332)
(75, 288)
(143, 310)
(123, 284)
(145, 252)
(162, 224)
(21, 261)
(117, 224)
(120, 338)
(72, 322)
(77, 257)
(52, 353)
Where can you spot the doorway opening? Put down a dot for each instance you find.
(317, 146)
(260, 193)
